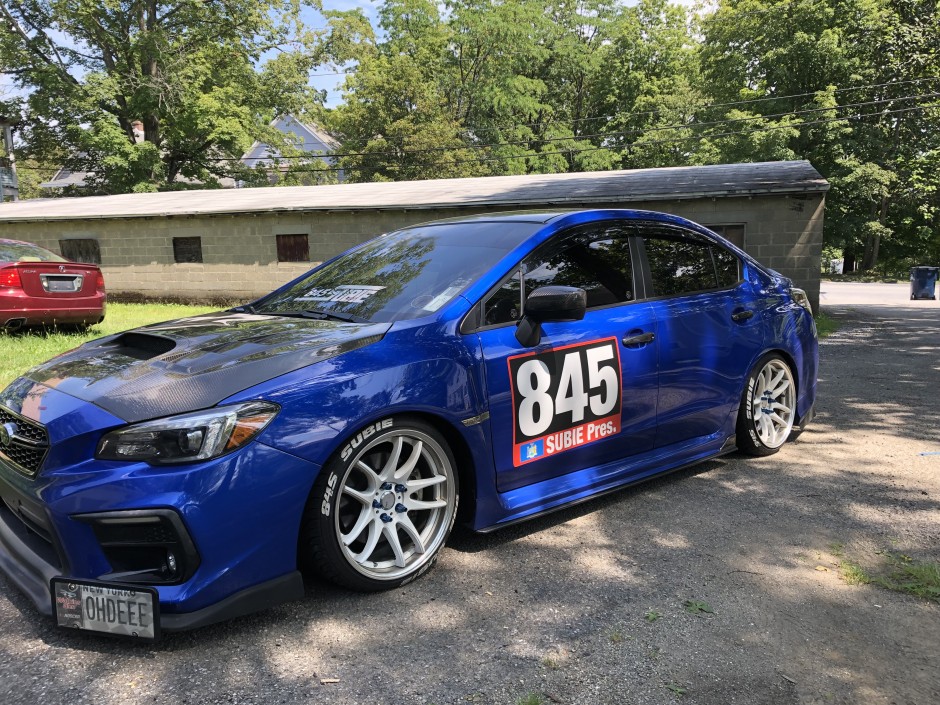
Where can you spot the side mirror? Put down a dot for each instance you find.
(549, 304)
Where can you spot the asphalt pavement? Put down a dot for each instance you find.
(716, 585)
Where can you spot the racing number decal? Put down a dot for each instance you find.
(564, 398)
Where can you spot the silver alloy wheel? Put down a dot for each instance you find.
(773, 403)
(396, 505)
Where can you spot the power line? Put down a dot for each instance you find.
(601, 135)
(579, 150)
(674, 140)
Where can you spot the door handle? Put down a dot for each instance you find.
(742, 315)
(641, 339)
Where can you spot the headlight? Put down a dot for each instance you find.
(188, 437)
(802, 299)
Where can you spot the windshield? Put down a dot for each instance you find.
(25, 252)
(405, 274)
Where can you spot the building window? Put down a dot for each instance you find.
(733, 232)
(187, 249)
(81, 250)
(292, 248)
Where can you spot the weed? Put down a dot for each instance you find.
(837, 548)
(676, 689)
(825, 326)
(652, 616)
(530, 699)
(918, 578)
(698, 607)
(853, 574)
(550, 663)
(616, 638)
(899, 572)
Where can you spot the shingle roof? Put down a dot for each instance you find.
(537, 190)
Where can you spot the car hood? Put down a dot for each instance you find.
(194, 363)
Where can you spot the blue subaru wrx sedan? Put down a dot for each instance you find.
(188, 472)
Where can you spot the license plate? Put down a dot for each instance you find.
(62, 284)
(106, 608)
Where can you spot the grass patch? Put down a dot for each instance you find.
(22, 349)
(898, 572)
(918, 578)
(698, 607)
(825, 325)
(853, 574)
(530, 699)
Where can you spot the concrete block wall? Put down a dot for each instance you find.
(240, 251)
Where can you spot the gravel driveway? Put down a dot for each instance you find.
(604, 603)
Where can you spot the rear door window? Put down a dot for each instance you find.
(684, 262)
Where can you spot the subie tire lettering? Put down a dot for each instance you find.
(564, 398)
(362, 435)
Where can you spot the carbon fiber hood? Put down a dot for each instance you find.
(194, 363)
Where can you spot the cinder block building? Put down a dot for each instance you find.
(239, 244)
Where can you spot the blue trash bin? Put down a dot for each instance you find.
(924, 282)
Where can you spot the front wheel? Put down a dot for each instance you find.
(381, 510)
(768, 407)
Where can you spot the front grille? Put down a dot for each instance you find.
(23, 442)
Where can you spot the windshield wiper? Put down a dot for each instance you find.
(333, 315)
(247, 308)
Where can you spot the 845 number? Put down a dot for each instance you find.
(565, 387)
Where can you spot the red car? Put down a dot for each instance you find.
(38, 287)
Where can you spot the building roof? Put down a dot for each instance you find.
(537, 190)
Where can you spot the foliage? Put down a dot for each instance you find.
(188, 70)
(466, 88)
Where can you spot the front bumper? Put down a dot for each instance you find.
(241, 514)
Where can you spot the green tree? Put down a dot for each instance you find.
(186, 69)
(856, 80)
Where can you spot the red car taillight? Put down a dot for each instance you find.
(10, 279)
(99, 282)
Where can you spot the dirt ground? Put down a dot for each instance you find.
(603, 603)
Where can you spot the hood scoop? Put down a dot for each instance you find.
(141, 346)
(195, 363)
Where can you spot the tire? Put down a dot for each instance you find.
(768, 407)
(382, 508)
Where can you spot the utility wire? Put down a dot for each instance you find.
(601, 135)
(673, 140)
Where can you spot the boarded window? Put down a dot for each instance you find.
(187, 249)
(292, 248)
(81, 251)
(733, 232)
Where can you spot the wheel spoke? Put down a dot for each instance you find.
(415, 485)
(375, 532)
(777, 406)
(766, 427)
(371, 475)
(389, 470)
(391, 535)
(421, 505)
(777, 392)
(365, 516)
(362, 497)
(405, 470)
(404, 521)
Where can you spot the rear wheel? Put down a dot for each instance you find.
(768, 407)
(381, 510)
